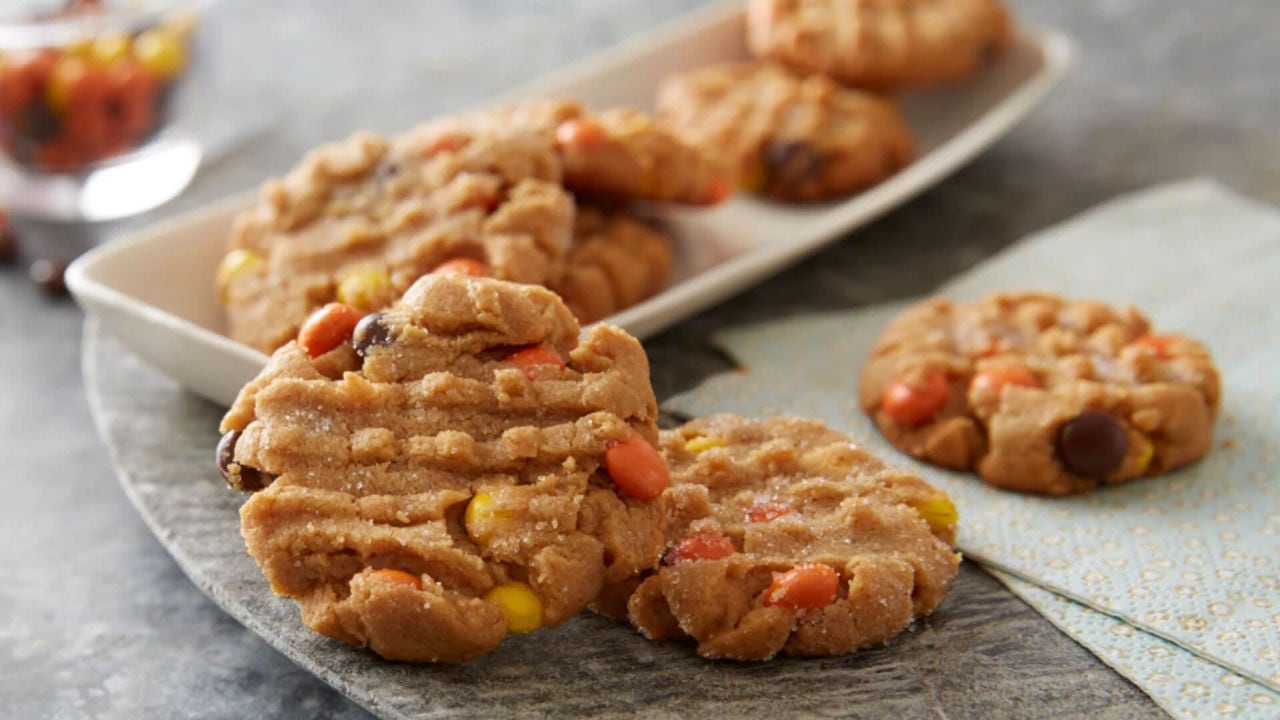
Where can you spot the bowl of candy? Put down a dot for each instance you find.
(87, 90)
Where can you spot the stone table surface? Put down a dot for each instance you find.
(96, 620)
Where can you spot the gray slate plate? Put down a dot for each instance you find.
(983, 654)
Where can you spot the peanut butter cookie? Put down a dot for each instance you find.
(615, 262)
(785, 536)
(879, 43)
(792, 137)
(456, 468)
(1039, 393)
(359, 221)
(615, 154)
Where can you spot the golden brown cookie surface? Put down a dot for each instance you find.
(792, 137)
(459, 467)
(615, 262)
(615, 154)
(1040, 393)
(881, 44)
(360, 220)
(784, 536)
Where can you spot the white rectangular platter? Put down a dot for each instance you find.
(155, 292)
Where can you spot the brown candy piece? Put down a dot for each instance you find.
(790, 164)
(241, 477)
(1092, 444)
(371, 331)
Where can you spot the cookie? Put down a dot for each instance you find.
(616, 154)
(615, 262)
(879, 43)
(359, 221)
(1040, 393)
(792, 137)
(456, 468)
(785, 536)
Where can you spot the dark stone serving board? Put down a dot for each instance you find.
(983, 654)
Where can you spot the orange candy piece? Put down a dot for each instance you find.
(766, 511)
(327, 328)
(718, 191)
(994, 379)
(580, 134)
(534, 360)
(399, 576)
(911, 405)
(1158, 344)
(636, 468)
(462, 266)
(803, 588)
(704, 545)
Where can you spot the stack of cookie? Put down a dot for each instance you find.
(506, 193)
(465, 464)
(812, 119)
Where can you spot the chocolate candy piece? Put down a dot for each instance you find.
(48, 274)
(369, 332)
(8, 246)
(791, 164)
(239, 477)
(1092, 444)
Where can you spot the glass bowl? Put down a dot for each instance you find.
(86, 87)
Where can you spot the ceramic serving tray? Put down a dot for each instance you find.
(155, 292)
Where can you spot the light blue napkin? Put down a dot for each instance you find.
(1192, 558)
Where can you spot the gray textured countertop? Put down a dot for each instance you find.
(97, 621)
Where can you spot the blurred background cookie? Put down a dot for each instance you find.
(616, 261)
(359, 221)
(879, 43)
(791, 137)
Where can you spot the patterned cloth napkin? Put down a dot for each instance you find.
(1174, 582)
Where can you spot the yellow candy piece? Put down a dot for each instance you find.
(1144, 457)
(109, 49)
(80, 48)
(364, 289)
(481, 516)
(236, 262)
(702, 443)
(57, 91)
(520, 604)
(939, 512)
(161, 53)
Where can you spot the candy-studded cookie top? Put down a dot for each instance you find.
(359, 221)
(784, 535)
(465, 437)
(1041, 393)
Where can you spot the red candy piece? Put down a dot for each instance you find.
(701, 546)
(636, 468)
(766, 511)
